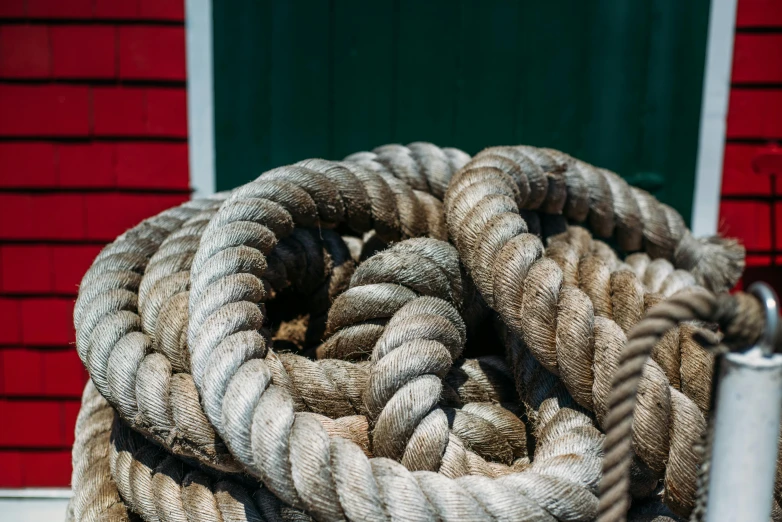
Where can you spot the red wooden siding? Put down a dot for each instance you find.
(739, 177)
(93, 139)
(758, 13)
(754, 113)
(757, 58)
(751, 206)
(125, 10)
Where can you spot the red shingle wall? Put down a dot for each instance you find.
(93, 138)
(751, 207)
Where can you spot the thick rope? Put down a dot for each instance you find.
(382, 285)
(742, 325)
(619, 295)
(119, 475)
(256, 450)
(283, 487)
(564, 306)
(151, 495)
(160, 487)
(138, 367)
(332, 388)
(559, 324)
(154, 485)
(118, 355)
(175, 322)
(507, 179)
(95, 494)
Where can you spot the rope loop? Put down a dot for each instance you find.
(407, 334)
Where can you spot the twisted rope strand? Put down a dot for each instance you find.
(110, 342)
(160, 487)
(742, 324)
(95, 495)
(175, 321)
(142, 387)
(565, 316)
(272, 461)
(179, 422)
(617, 293)
(507, 179)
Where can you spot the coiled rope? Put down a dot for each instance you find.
(177, 319)
(742, 323)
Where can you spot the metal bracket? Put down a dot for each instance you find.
(748, 410)
(768, 298)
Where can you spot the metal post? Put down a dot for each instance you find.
(746, 428)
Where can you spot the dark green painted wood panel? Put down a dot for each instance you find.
(428, 70)
(300, 80)
(364, 69)
(242, 91)
(489, 71)
(554, 98)
(615, 82)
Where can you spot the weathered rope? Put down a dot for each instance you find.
(176, 319)
(563, 305)
(580, 342)
(95, 494)
(507, 179)
(118, 354)
(742, 324)
(147, 374)
(332, 388)
(382, 285)
(456, 461)
(119, 475)
(135, 480)
(159, 487)
(617, 294)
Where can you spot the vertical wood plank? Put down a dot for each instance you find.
(490, 74)
(672, 105)
(554, 62)
(618, 49)
(363, 75)
(428, 68)
(242, 97)
(300, 86)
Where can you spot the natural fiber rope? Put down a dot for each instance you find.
(118, 475)
(327, 389)
(742, 323)
(507, 179)
(95, 495)
(566, 317)
(455, 460)
(154, 485)
(246, 205)
(160, 488)
(150, 496)
(178, 306)
(617, 294)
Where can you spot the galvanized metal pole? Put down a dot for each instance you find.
(745, 443)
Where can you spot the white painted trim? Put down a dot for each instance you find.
(34, 504)
(38, 493)
(714, 111)
(32, 509)
(200, 96)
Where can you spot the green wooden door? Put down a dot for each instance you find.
(614, 82)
